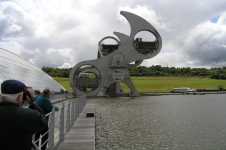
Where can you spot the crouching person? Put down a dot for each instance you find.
(17, 124)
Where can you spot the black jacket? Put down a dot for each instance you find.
(34, 106)
(17, 125)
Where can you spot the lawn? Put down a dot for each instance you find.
(64, 82)
(164, 84)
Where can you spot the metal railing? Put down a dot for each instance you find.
(61, 120)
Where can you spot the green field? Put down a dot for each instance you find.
(64, 82)
(164, 84)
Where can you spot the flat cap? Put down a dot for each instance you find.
(12, 87)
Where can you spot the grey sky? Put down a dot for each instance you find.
(60, 33)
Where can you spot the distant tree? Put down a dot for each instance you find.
(57, 72)
(156, 70)
(218, 73)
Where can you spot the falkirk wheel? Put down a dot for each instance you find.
(103, 76)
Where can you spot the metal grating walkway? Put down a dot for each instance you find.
(82, 134)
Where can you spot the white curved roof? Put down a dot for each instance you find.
(14, 67)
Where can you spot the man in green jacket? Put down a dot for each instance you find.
(44, 102)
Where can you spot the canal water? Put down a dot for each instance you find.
(185, 122)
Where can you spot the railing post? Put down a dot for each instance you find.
(68, 117)
(77, 109)
(71, 117)
(62, 123)
(51, 129)
(74, 111)
(79, 106)
(40, 142)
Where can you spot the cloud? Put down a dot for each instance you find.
(147, 13)
(62, 33)
(205, 44)
(50, 57)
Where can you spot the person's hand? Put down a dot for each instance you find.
(28, 95)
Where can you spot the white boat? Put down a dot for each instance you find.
(183, 90)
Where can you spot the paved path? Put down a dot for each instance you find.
(82, 134)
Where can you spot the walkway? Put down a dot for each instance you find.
(82, 134)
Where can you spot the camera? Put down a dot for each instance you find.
(26, 95)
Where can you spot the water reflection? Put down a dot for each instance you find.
(163, 122)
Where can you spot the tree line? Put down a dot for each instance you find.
(157, 70)
(57, 72)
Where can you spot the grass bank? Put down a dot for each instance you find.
(164, 84)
